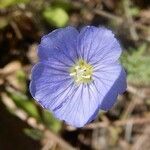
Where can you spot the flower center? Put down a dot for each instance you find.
(81, 71)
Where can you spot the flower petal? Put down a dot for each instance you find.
(59, 44)
(49, 86)
(98, 45)
(80, 108)
(109, 80)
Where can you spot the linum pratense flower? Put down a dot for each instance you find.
(78, 73)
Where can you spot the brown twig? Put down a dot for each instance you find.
(130, 22)
(135, 121)
(16, 30)
(142, 140)
(108, 15)
(119, 20)
(139, 92)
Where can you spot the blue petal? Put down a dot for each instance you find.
(59, 45)
(49, 86)
(98, 45)
(109, 80)
(110, 98)
(80, 108)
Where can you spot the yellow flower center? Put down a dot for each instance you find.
(81, 71)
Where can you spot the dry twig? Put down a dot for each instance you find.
(134, 121)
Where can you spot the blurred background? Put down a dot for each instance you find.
(24, 125)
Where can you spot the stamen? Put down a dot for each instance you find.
(81, 72)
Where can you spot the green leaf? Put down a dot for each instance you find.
(134, 11)
(21, 79)
(56, 16)
(21, 75)
(137, 65)
(50, 121)
(65, 4)
(24, 103)
(7, 3)
(33, 133)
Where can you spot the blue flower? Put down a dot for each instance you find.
(78, 73)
